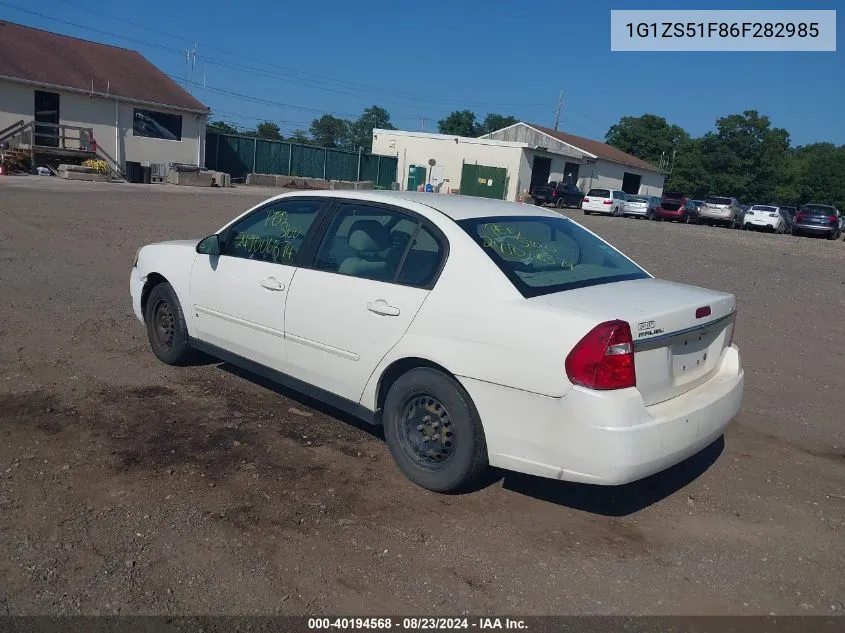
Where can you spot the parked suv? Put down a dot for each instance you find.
(721, 210)
(674, 205)
(817, 219)
(610, 201)
(560, 194)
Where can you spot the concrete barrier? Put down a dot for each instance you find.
(81, 175)
(302, 183)
(79, 169)
(189, 178)
(261, 180)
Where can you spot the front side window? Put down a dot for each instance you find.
(274, 233)
(380, 244)
(154, 124)
(543, 255)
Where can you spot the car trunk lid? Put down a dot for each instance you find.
(679, 331)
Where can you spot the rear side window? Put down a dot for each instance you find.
(381, 244)
(599, 193)
(543, 255)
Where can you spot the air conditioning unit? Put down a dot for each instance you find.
(158, 170)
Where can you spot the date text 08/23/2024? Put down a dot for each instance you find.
(417, 623)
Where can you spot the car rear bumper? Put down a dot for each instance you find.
(762, 222)
(669, 215)
(598, 208)
(634, 210)
(715, 216)
(136, 287)
(815, 228)
(606, 438)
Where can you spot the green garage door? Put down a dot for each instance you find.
(484, 181)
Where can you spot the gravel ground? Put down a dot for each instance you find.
(127, 486)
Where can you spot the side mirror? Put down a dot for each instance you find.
(209, 246)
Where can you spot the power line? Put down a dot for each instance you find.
(320, 82)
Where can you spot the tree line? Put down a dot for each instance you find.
(744, 157)
(346, 134)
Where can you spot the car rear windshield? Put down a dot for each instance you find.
(542, 255)
(763, 207)
(637, 199)
(673, 195)
(722, 201)
(599, 193)
(818, 209)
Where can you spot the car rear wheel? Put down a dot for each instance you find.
(615, 212)
(833, 236)
(166, 327)
(586, 212)
(433, 431)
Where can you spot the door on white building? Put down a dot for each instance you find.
(540, 170)
(46, 110)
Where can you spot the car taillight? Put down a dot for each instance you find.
(733, 329)
(608, 202)
(585, 200)
(831, 218)
(554, 194)
(604, 358)
(799, 217)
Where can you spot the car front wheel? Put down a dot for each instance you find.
(433, 431)
(166, 327)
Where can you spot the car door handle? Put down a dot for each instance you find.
(382, 307)
(272, 284)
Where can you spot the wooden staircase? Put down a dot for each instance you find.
(27, 145)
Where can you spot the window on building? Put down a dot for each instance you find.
(154, 124)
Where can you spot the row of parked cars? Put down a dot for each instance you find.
(809, 219)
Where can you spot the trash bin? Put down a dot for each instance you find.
(133, 171)
(146, 174)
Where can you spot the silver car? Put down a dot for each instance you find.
(640, 206)
(721, 210)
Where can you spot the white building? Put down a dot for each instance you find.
(515, 159)
(59, 91)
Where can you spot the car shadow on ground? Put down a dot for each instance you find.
(617, 501)
(301, 398)
(613, 501)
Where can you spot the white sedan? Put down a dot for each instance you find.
(762, 216)
(476, 331)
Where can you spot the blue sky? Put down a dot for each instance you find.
(423, 60)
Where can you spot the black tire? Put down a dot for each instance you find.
(538, 202)
(166, 328)
(833, 236)
(586, 212)
(615, 212)
(428, 393)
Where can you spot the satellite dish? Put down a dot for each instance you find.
(431, 162)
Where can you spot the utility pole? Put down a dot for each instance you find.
(559, 106)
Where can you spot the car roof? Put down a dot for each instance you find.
(456, 207)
